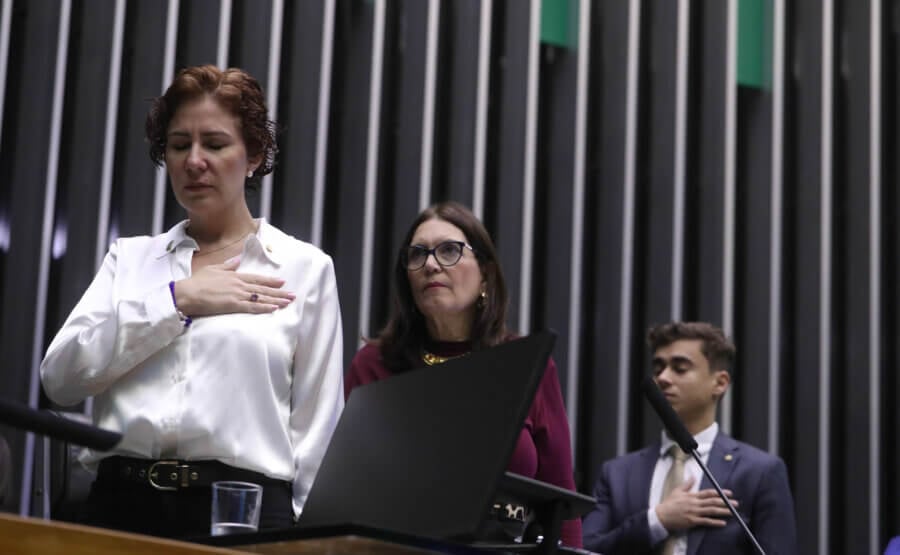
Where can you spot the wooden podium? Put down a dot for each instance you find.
(27, 536)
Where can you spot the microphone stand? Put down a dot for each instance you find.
(727, 501)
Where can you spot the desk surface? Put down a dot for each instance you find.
(26, 536)
(357, 545)
(339, 538)
(20, 535)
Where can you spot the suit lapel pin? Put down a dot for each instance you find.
(728, 457)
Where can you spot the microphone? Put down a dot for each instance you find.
(680, 434)
(670, 420)
(57, 427)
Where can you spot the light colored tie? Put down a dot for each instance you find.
(674, 478)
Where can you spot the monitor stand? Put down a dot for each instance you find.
(551, 505)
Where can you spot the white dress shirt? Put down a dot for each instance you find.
(256, 391)
(704, 441)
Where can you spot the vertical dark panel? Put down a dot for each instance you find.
(345, 196)
(198, 33)
(753, 261)
(455, 102)
(23, 170)
(605, 174)
(803, 177)
(655, 191)
(402, 115)
(890, 392)
(852, 437)
(705, 179)
(251, 31)
(505, 174)
(554, 187)
(298, 117)
(131, 211)
(81, 159)
(6, 158)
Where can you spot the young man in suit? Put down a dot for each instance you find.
(657, 500)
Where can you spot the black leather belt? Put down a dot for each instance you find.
(173, 475)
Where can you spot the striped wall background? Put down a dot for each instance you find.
(625, 174)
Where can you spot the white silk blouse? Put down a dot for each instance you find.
(261, 392)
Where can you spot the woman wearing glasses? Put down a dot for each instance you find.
(450, 299)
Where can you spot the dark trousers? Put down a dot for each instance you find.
(185, 513)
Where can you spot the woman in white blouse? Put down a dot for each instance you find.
(215, 347)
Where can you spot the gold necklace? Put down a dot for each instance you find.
(431, 359)
(198, 253)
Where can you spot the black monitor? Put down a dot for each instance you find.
(423, 452)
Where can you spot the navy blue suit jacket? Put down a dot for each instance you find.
(618, 523)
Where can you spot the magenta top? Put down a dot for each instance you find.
(543, 451)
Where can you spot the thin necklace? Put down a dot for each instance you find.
(198, 253)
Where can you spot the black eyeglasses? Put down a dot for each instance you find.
(447, 254)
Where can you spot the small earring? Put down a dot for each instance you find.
(249, 174)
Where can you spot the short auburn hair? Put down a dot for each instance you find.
(233, 89)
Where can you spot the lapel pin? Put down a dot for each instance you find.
(728, 457)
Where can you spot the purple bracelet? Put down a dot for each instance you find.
(184, 317)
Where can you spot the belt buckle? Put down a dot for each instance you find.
(153, 473)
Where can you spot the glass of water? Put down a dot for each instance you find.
(235, 507)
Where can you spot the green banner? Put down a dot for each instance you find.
(754, 43)
(559, 22)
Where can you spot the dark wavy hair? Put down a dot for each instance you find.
(716, 347)
(402, 339)
(236, 91)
